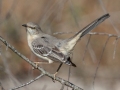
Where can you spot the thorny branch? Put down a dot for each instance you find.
(62, 81)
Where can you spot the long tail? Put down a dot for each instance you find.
(73, 40)
(92, 25)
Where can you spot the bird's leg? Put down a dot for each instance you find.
(38, 63)
(57, 71)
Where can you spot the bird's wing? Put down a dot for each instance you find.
(45, 47)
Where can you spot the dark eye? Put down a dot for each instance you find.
(33, 27)
(42, 37)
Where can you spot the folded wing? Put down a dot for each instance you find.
(46, 49)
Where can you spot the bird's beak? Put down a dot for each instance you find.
(24, 25)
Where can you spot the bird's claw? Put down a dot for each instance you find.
(54, 77)
(36, 66)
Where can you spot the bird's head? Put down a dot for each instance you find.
(32, 28)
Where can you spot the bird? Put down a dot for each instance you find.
(52, 49)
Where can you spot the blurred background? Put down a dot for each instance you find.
(61, 16)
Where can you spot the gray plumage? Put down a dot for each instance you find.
(52, 49)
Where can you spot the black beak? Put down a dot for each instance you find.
(24, 25)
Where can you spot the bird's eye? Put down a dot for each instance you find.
(33, 27)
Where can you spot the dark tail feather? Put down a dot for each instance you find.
(92, 25)
(73, 64)
(95, 23)
(69, 62)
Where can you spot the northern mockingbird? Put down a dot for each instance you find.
(53, 49)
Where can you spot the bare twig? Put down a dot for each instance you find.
(69, 74)
(116, 42)
(91, 33)
(100, 61)
(86, 47)
(62, 81)
(31, 81)
(69, 71)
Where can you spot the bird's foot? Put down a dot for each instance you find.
(36, 65)
(54, 76)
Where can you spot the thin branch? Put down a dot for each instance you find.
(91, 33)
(69, 74)
(69, 71)
(31, 81)
(62, 81)
(100, 60)
(116, 42)
(86, 47)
